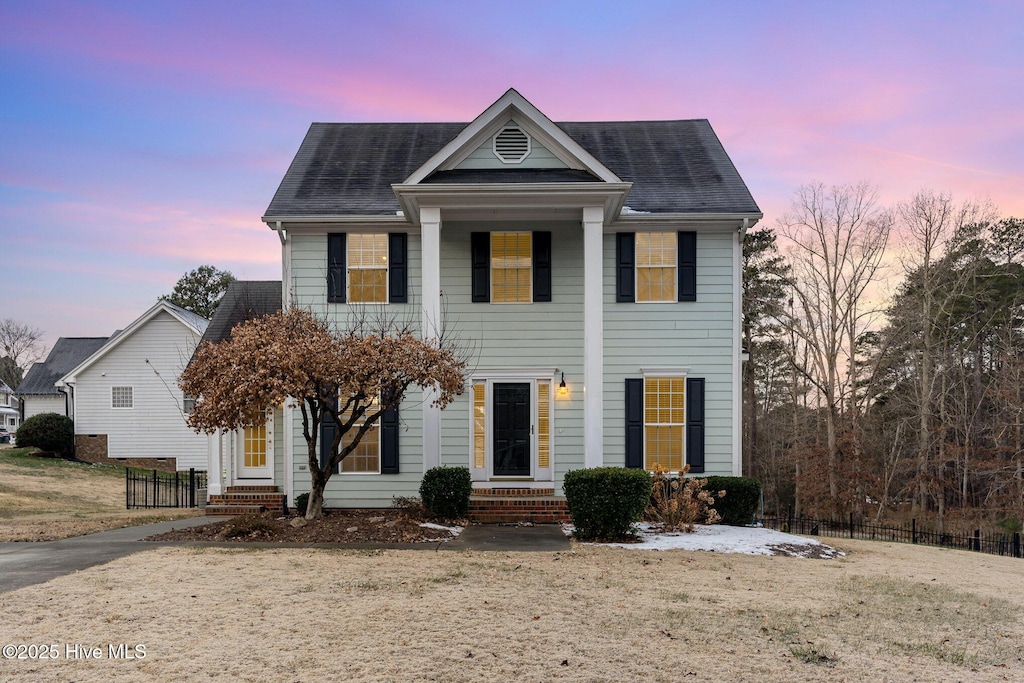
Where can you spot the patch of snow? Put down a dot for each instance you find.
(725, 539)
(629, 211)
(453, 530)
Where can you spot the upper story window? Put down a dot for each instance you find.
(122, 397)
(368, 269)
(656, 266)
(511, 266)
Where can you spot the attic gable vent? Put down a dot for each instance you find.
(511, 144)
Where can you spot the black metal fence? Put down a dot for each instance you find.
(993, 543)
(157, 489)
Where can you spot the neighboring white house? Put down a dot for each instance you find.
(38, 391)
(594, 266)
(125, 397)
(9, 412)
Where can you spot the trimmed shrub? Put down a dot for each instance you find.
(445, 492)
(49, 432)
(605, 501)
(738, 506)
(301, 501)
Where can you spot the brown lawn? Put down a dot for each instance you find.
(885, 612)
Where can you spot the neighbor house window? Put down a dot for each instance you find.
(664, 422)
(188, 404)
(656, 266)
(367, 268)
(511, 266)
(122, 397)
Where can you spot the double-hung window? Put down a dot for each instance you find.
(367, 268)
(655, 266)
(665, 422)
(366, 456)
(511, 267)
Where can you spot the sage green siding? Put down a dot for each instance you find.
(309, 290)
(511, 336)
(697, 335)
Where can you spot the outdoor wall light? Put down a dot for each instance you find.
(562, 389)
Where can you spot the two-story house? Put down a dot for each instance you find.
(593, 266)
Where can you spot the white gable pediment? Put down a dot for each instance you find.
(550, 146)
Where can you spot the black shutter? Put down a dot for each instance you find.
(687, 255)
(625, 263)
(481, 247)
(695, 424)
(634, 423)
(328, 429)
(336, 268)
(389, 441)
(542, 266)
(398, 267)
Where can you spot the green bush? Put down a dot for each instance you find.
(605, 502)
(49, 432)
(739, 504)
(301, 501)
(445, 492)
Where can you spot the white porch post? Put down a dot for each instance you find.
(593, 336)
(737, 362)
(430, 235)
(214, 483)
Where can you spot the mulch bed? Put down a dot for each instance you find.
(337, 526)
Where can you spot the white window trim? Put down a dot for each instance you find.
(529, 298)
(668, 373)
(636, 271)
(380, 446)
(131, 395)
(349, 268)
(533, 377)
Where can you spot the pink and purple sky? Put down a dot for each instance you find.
(142, 139)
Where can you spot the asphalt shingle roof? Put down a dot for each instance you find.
(244, 299)
(347, 169)
(64, 357)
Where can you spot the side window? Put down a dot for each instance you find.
(367, 268)
(655, 266)
(122, 397)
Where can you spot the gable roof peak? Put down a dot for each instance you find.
(512, 106)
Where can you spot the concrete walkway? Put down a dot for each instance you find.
(510, 538)
(29, 563)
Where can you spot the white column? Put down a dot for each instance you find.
(288, 422)
(430, 235)
(214, 483)
(593, 336)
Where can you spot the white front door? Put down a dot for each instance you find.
(255, 452)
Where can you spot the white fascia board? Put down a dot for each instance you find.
(513, 196)
(512, 105)
(327, 220)
(705, 222)
(355, 224)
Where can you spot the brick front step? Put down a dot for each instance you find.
(505, 492)
(241, 500)
(537, 509)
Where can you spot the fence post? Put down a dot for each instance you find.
(191, 487)
(913, 531)
(127, 497)
(851, 525)
(977, 541)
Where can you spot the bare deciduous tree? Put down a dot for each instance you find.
(21, 343)
(837, 237)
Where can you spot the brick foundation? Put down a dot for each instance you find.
(238, 500)
(93, 448)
